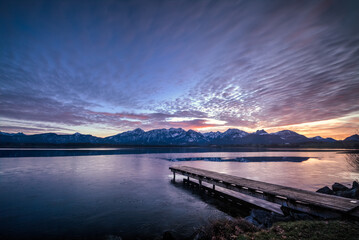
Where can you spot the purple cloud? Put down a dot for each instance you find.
(125, 64)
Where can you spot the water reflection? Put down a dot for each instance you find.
(241, 159)
(353, 161)
(230, 208)
(61, 152)
(130, 194)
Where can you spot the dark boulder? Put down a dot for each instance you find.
(251, 219)
(341, 190)
(265, 219)
(339, 187)
(295, 215)
(325, 190)
(351, 193)
(260, 218)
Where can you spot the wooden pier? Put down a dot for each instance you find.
(317, 204)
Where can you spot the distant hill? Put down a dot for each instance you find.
(175, 137)
(354, 137)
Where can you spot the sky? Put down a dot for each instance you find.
(104, 67)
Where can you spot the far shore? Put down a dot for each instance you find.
(93, 150)
(332, 146)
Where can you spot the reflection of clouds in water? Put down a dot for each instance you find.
(315, 161)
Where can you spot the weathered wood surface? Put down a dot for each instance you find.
(253, 201)
(289, 197)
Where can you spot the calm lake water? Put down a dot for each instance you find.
(132, 196)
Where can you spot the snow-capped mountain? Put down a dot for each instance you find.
(212, 135)
(134, 136)
(261, 137)
(231, 136)
(291, 137)
(172, 136)
(261, 132)
(234, 133)
(320, 139)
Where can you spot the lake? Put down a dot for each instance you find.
(130, 193)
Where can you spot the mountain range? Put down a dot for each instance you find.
(172, 137)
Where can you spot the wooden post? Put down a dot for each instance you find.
(200, 183)
(174, 176)
(214, 187)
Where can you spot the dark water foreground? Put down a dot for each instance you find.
(132, 196)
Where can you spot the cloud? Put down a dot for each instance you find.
(194, 124)
(338, 128)
(125, 64)
(32, 130)
(288, 69)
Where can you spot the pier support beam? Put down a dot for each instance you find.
(174, 176)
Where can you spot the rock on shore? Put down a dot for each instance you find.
(341, 190)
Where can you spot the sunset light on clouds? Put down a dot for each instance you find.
(106, 67)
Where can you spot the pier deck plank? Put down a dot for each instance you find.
(331, 202)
